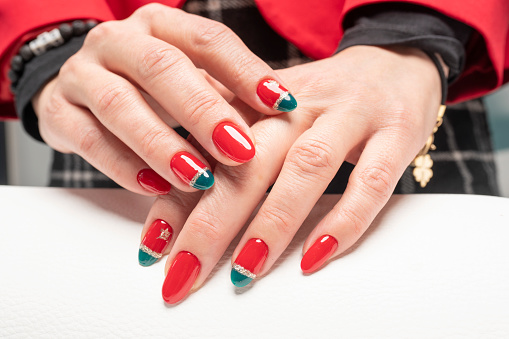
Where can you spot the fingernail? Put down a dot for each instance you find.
(192, 171)
(318, 253)
(233, 142)
(276, 96)
(153, 182)
(155, 242)
(181, 277)
(249, 262)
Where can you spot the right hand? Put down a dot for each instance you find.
(114, 101)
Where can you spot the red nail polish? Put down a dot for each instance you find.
(249, 262)
(181, 277)
(153, 182)
(276, 96)
(192, 171)
(155, 242)
(318, 253)
(233, 142)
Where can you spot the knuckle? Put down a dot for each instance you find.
(112, 167)
(210, 33)
(354, 220)
(51, 118)
(377, 180)
(70, 66)
(403, 119)
(244, 66)
(147, 11)
(54, 107)
(112, 98)
(311, 158)
(282, 220)
(157, 60)
(206, 225)
(99, 33)
(152, 141)
(199, 105)
(87, 140)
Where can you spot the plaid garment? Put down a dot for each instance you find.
(463, 161)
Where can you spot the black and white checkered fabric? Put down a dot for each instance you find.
(463, 161)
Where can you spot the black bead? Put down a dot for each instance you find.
(66, 31)
(26, 53)
(13, 76)
(78, 28)
(90, 24)
(17, 63)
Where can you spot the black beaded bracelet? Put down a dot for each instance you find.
(44, 42)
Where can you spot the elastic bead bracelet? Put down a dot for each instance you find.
(44, 42)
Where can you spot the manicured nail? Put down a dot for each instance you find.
(233, 142)
(153, 182)
(318, 253)
(155, 242)
(249, 262)
(181, 277)
(276, 96)
(192, 171)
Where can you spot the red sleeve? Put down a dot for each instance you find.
(22, 20)
(315, 27)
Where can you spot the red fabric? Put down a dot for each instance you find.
(313, 26)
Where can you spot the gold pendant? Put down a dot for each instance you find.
(422, 163)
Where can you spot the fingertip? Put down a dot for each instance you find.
(154, 243)
(275, 96)
(238, 279)
(321, 250)
(181, 277)
(194, 173)
(152, 182)
(204, 180)
(288, 103)
(233, 142)
(145, 259)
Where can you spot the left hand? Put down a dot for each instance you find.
(373, 107)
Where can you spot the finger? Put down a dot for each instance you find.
(214, 47)
(164, 222)
(219, 87)
(222, 212)
(369, 188)
(172, 80)
(74, 129)
(167, 118)
(310, 165)
(120, 107)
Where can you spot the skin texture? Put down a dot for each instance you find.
(114, 101)
(371, 106)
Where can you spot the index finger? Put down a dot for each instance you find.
(214, 47)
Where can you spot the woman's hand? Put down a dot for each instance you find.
(114, 101)
(371, 106)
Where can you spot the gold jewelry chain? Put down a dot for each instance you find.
(422, 163)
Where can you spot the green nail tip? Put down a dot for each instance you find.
(239, 280)
(145, 259)
(204, 181)
(288, 104)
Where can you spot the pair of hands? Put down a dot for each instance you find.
(114, 103)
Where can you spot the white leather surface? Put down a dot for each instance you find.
(431, 266)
